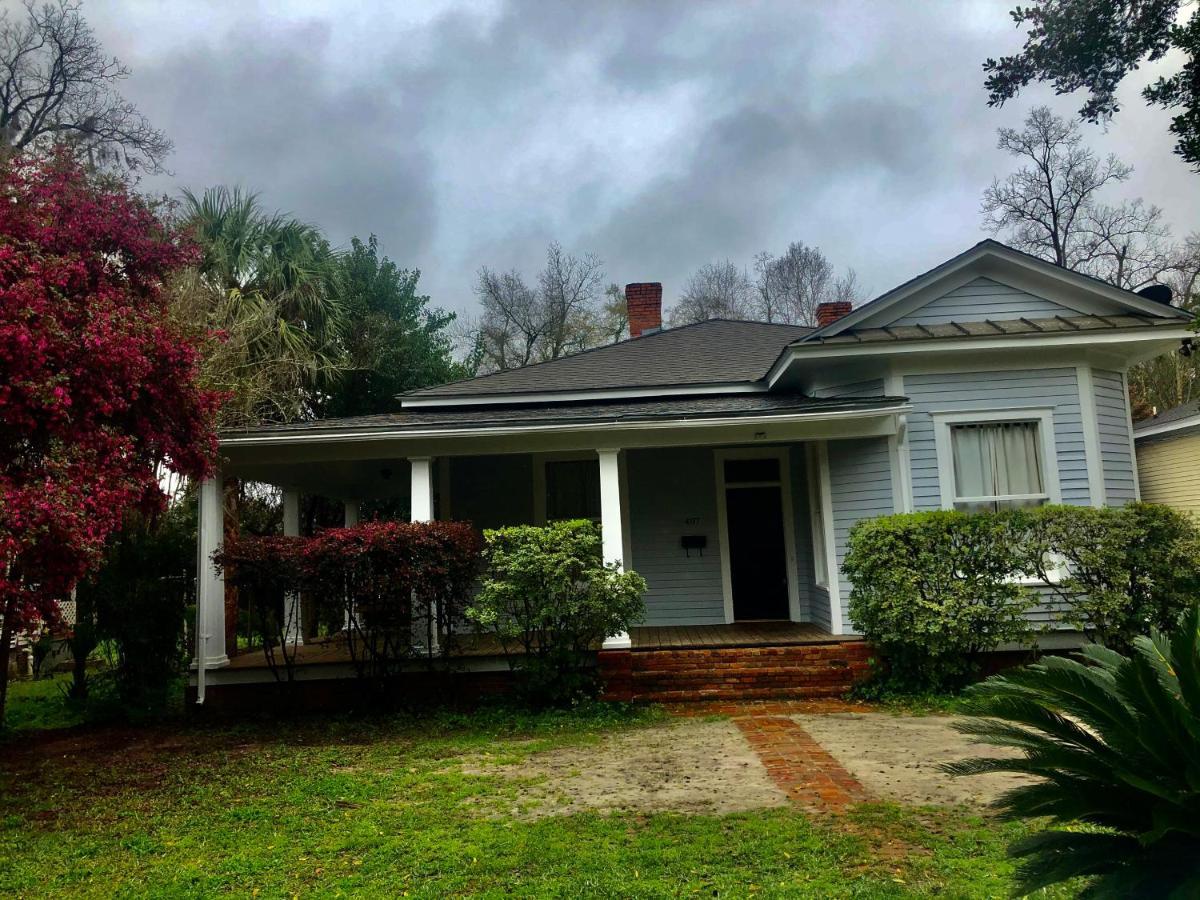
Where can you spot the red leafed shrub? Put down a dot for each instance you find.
(400, 586)
(97, 388)
(265, 571)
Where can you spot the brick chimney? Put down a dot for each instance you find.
(643, 301)
(831, 312)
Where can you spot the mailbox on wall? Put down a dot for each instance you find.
(695, 542)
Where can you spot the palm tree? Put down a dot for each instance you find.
(1114, 742)
(266, 284)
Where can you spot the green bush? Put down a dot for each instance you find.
(551, 600)
(1114, 742)
(1128, 568)
(135, 604)
(931, 590)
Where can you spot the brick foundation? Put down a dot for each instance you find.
(734, 673)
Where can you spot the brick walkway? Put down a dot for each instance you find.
(801, 767)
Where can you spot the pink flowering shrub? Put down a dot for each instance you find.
(97, 388)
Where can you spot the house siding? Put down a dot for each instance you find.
(1056, 388)
(870, 388)
(672, 492)
(983, 299)
(1112, 421)
(1169, 471)
(810, 607)
(860, 483)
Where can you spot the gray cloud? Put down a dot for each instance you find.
(661, 136)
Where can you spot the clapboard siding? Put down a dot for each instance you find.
(1055, 388)
(1169, 470)
(802, 530)
(870, 388)
(1112, 420)
(983, 299)
(672, 492)
(492, 491)
(860, 483)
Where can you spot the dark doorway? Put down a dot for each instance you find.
(757, 554)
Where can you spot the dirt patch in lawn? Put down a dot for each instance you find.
(686, 766)
(896, 757)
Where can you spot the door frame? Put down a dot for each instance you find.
(789, 525)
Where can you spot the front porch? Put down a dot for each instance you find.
(752, 660)
(737, 524)
(335, 650)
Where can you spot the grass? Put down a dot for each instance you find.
(382, 807)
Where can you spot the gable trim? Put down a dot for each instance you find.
(999, 262)
(1015, 342)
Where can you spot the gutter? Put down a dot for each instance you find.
(333, 436)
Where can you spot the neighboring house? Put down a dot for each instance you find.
(1168, 457)
(727, 461)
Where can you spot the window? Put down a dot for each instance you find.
(758, 470)
(572, 489)
(997, 465)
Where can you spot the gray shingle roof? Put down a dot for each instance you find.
(717, 406)
(712, 352)
(1175, 414)
(989, 328)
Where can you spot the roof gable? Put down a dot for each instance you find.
(985, 299)
(711, 353)
(992, 281)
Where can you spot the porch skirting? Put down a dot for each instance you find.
(742, 661)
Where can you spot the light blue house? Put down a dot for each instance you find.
(727, 461)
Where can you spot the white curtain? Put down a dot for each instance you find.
(995, 460)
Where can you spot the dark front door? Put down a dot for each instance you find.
(757, 559)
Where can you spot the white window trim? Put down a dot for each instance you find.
(816, 517)
(789, 524)
(1042, 415)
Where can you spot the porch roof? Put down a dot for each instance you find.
(697, 409)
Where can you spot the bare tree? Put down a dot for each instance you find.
(715, 291)
(1169, 380)
(512, 323)
(565, 313)
(58, 86)
(570, 293)
(791, 286)
(1126, 245)
(1043, 208)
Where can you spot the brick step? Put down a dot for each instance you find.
(733, 673)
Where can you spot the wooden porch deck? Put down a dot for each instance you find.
(334, 650)
(737, 634)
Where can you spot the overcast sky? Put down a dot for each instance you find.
(660, 136)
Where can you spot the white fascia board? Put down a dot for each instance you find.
(618, 427)
(935, 346)
(745, 387)
(1140, 431)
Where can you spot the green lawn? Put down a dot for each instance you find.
(381, 807)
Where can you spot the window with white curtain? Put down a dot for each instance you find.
(997, 465)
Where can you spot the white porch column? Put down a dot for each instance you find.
(210, 582)
(612, 525)
(421, 504)
(349, 519)
(422, 488)
(293, 625)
